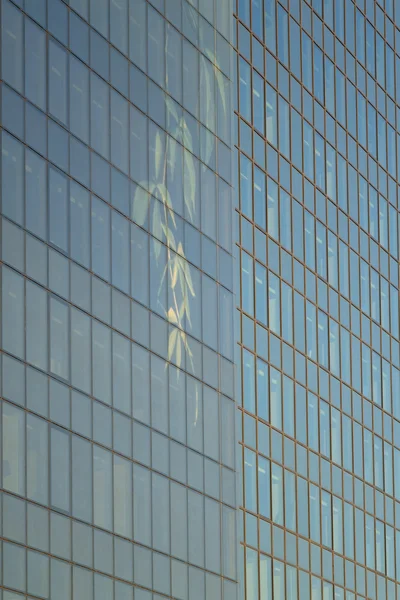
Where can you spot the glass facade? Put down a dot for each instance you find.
(317, 109)
(117, 402)
(162, 163)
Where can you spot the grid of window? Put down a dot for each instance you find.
(318, 109)
(117, 412)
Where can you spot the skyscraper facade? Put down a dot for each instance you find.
(117, 378)
(164, 162)
(317, 216)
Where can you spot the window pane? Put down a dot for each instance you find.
(121, 373)
(228, 538)
(159, 394)
(138, 32)
(138, 148)
(119, 24)
(58, 65)
(211, 423)
(122, 497)
(79, 99)
(196, 528)
(81, 364)
(13, 313)
(36, 326)
(156, 46)
(36, 194)
(14, 561)
(119, 132)
(59, 335)
(35, 64)
(100, 238)
(120, 252)
(99, 16)
(102, 487)
(174, 64)
(60, 469)
(60, 582)
(13, 449)
(82, 584)
(12, 178)
(12, 46)
(79, 224)
(37, 459)
(141, 383)
(100, 120)
(58, 209)
(190, 78)
(101, 362)
(81, 479)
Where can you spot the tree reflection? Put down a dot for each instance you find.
(167, 177)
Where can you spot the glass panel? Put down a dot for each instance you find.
(174, 64)
(81, 479)
(156, 46)
(81, 366)
(100, 119)
(196, 528)
(99, 18)
(79, 224)
(122, 373)
(264, 502)
(12, 178)
(119, 24)
(36, 194)
(160, 512)
(178, 521)
(58, 82)
(79, 99)
(60, 469)
(12, 46)
(58, 209)
(13, 449)
(102, 487)
(194, 415)
(82, 582)
(142, 505)
(120, 252)
(122, 497)
(14, 561)
(141, 383)
(59, 338)
(38, 574)
(35, 64)
(100, 238)
(277, 494)
(13, 312)
(37, 459)
(159, 394)
(119, 132)
(60, 582)
(101, 349)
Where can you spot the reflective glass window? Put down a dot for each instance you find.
(99, 116)
(79, 99)
(35, 194)
(60, 469)
(58, 82)
(35, 64)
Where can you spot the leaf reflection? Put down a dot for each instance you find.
(164, 225)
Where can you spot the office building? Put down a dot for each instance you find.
(200, 360)
(317, 119)
(117, 410)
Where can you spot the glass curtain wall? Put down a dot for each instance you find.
(116, 357)
(317, 110)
